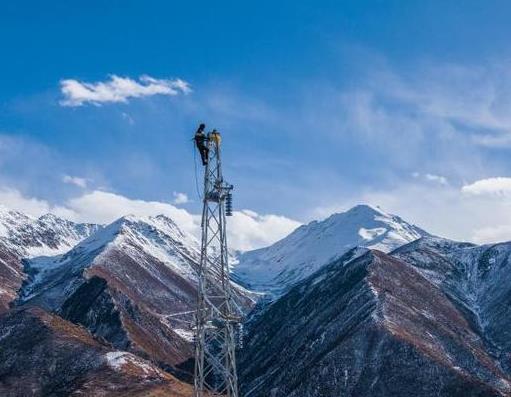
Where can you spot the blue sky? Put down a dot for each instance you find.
(403, 104)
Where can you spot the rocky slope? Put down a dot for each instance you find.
(274, 269)
(43, 355)
(411, 323)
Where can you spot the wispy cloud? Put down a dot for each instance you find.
(118, 89)
(472, 99)
(442, 180)
(436, 178)
(180, 198)
(75, 180)
(128, 118)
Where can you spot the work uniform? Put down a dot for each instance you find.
(200, 141)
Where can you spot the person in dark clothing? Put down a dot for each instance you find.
(200, 141)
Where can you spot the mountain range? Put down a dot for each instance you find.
(362, 303)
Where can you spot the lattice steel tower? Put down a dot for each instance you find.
(217, 315)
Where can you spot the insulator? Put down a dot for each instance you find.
(228, 204)
(240, 335)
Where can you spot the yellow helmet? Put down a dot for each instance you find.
(215, 137)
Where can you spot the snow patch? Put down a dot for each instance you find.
(373, 289)
(370, 234)
(187, 335)
(118, 359)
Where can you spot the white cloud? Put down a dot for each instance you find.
(500, 186)
(447, 211)
(105, 207)
(13, 199)
(180, 198)
(492, 234)
(478, 218)
(118, 89)
(495, 140)
(75, 180)
(250, 230)
(247, 229)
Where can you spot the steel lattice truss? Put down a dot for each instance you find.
(216, 316)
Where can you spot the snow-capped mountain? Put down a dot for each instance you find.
(274, 269)
(43, 236)
(132, 283)
(139, 239)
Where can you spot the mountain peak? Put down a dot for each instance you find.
(46, 235)
(49, 217)
(366, 209)
(275, 268)
(140, 239)
(147, 224)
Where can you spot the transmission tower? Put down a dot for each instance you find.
(216, 315)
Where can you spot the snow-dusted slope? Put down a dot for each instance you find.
(476, 278)
(22, 236)
(144, 240)
(274, 269)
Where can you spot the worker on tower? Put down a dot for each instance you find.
(200, 141)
